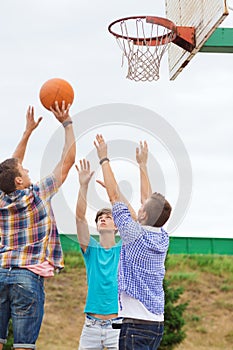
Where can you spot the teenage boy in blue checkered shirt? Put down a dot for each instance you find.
(144, 248)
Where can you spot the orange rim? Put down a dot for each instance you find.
(157, 40)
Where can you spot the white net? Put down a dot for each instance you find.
(143, 48)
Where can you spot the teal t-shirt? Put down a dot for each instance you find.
(102, 269)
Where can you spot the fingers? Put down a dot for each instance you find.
(57, 108)
(30, 112)
(142, 152)
(38, 121)
(63, 109)
(99, 138)
(101, 183)
(143, 146)
(31, 124)
(52, 110)
(91, 174)
(84, 165)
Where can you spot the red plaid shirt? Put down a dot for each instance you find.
(28, 231)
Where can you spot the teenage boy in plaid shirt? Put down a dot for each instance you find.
(144, 247)
(30, 248)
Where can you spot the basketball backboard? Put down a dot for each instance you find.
(204, 15)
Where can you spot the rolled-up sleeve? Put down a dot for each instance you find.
(47, 187)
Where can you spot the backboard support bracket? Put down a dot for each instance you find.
(185, 38)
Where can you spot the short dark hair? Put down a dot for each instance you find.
(8, 172)
(158, 210)
(101, 212)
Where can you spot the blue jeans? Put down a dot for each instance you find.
(22, 300)
(141, 336)
(98, 334)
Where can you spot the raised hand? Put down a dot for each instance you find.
(31, 124)
(101, 147)
(84, 172)
(142, 157)
(62, 113)
(142, 153)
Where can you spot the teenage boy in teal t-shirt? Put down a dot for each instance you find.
(101, 260)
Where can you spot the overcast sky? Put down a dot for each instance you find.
(44, 39)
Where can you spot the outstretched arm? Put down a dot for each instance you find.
(31, 125)
(85, 176)
(69, 151)
(141, 157)
(110, 183)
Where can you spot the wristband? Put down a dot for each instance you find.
(67, 122)
(103, 160)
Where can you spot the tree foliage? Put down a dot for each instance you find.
(174, 333)
(10, 338)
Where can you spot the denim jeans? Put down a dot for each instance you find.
(140, 336)
(98, 334)
(22, 300)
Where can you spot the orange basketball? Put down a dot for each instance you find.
(56, 90)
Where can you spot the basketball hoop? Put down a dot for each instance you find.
(144, 40)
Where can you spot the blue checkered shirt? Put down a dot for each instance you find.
(143, 253)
